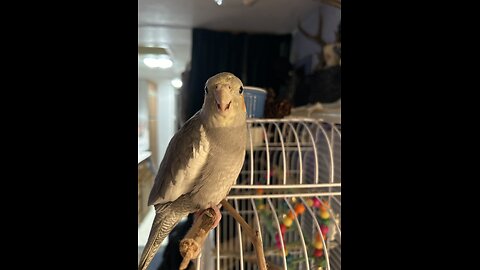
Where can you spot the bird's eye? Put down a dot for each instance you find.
(241, 90)
(206, 90)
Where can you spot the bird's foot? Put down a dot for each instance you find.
(218, 215)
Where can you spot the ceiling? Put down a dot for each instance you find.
(169, 23)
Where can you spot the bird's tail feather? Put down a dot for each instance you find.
(164, 222)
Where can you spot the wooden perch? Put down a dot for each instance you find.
(191, 245)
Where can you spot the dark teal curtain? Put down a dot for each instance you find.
(254, 58)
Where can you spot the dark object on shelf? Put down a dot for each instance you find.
(323, 86)
(276, 108)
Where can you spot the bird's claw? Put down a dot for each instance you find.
(218, 215)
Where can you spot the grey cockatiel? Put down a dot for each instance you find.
(202, 160)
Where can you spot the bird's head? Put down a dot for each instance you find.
(224, 102)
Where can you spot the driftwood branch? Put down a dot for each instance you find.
(191, 245)
(254, 235)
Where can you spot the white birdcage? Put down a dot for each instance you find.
(289, 162)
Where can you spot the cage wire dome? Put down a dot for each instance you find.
(289, 190)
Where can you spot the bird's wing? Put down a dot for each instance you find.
(182, 164)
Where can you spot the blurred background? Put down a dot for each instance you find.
(289, 49)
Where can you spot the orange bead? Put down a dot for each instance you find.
(259, 191)
(324, 206)
(299, 208)
(291, 215)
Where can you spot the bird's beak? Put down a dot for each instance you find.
(223, 98)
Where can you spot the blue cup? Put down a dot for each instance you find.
(255, 98)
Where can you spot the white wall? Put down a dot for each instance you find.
(143, 138)
(166, 114)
